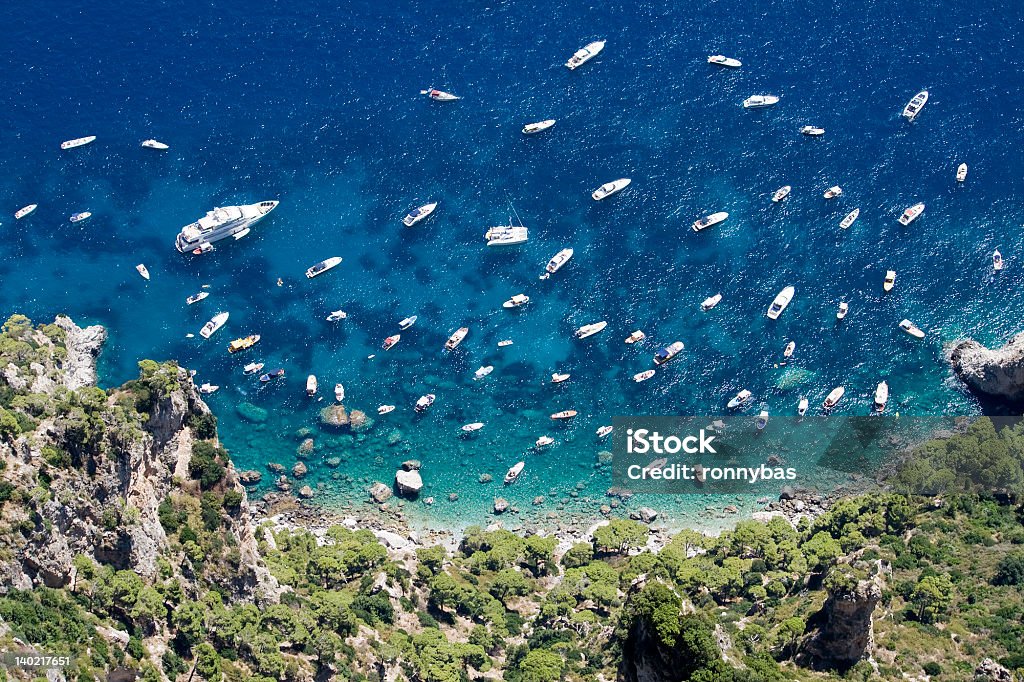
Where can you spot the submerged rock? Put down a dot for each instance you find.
(335, 416)
(305, 492)
(412, 465)
(645, 514)
(299, 470)
(251, 413)
(333, 462)
(380, 492)
(358, 421)
(275, 467)
(998, 372)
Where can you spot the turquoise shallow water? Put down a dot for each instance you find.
(325, 116)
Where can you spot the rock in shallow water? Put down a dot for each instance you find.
(998, 372)
(251, 413)
(408, 482)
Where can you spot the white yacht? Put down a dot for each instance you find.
(322, 267)
(154, 144)
(890, 280)
(79, 217)
(604, 431)
(833, 192)
(911, 328)
(590, 329)
(844, 308)
(516, 301)
(911, 214)
(758, 101)
(439, 95)
(833, 397)
(812, 131)
(385, 409)
(781, 193)
(710, 302)
(850, 218)
(762, 420)
(585, 54)
(407, 322)
(221, 223)
(208, 388)
(456, 338)
(196, 298)
(311, 385)
(337, 315)
(24, 211)
(739, 399)
(722, 60)
(506, 235)
(636, 336)
(961, 172)
(708, 221)
(643, 376)
(252, 368)
(213, 325)
(881, 396)
(424, 402)
(915, 105)
(788, 351)
(782, 300)
(610, 188)
(531, 128)
(505, 343)
(801, 407)
(418, 214)
(665, 354)
(483, 371)
(78, 142)
(544, 441)
(556, 262)
(557, 378)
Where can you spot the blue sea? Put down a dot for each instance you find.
(318, 106)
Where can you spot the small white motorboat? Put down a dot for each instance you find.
(514, 472)
(604, 431)
(311, 385)
(215, 323)
(790, 347)
(564, 415)
(196, 298)
(881, 396)
(911, 214)
(643, 376)
(710, 302)
(801, 408)
(635, 337)
(516, 301)
(78, 142)
(531, 128)
(911, 328)
(850, 218)
(544, 441)
(407, 322)
(79, 217)
(812, 131)
(418, 214)
(739, 399)
(252, 368)
(961, 172)
(142, 270)
(384, 409)
(208, 388)
(833, 397)
(590, 329)
(585, 54)
(153, 144)
(997, 260)
(759, 101)
(781, 193)
(780, 302)
(708, 221)
(475, 426)
(663, 355)
(439, 95)
(337, 315)
(322, 267)
(915, 105)
(762, 420)
(844, 308)
(505, 343)
(24, 211)
(610, 188)
(391, 341)
(890, 280)
(483, 371)
(722, 60)
(557, 378)
(424, 401)
(833, 192)
(339, 392)
(556, 262)
(456, 338)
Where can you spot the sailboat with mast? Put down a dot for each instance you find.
(507, 235)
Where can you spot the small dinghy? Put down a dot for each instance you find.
(850, 218)
(514, 472)
(532, 128)
(590, 329)
(505, 343)
(643, 376)
(812, 131)
(79, 217)
(207, 389)
(790, 347)
(24, 211)
(142, 271)
(154, 144)
(544, 441)
(739, 399)
(483, 371)
(557, 378)
(833, 397)
(271, 375)
(710, 302)
(911, 328)
(390, 342)
(635, 337)
(844, 308)
(252, 368)
(833, 192)
(439, 95)
(961, 172)
(781, 193)
(762, 420)
(997, 260)
(339, 392)
(516, 301)
(337, 315)
(384, 409)
(604, 431)
(475, 426)
(890, 280)
(881, 396)
(424, 402)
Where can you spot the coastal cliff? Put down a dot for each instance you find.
(995, 372)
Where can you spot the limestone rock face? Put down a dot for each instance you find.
(990, 671)
(846, 632)
(84, 345)
(996, 372)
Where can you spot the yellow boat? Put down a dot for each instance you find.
(242, 344)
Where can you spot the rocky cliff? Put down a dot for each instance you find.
(89, 469)
(996, 372)
(845, 631)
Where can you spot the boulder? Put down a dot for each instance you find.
(250, 477)
(305, 492)
(358, 421)
(333, 462)
(995, 372)
(380, 492)
(990, 671)
(282, 484)
(412, 465)
(334, 416)
(251, 413)
(275, 467)
(645, 514)
(305, 448)
(409, 482)
(299, 470)
(500, 505)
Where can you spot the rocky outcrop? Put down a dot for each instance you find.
(990, 671)
(409, 483)
(83, 347)
(380, 492)
(845, 632)
(996, 372)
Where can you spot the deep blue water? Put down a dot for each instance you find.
(319, 108)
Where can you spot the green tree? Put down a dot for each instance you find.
(149, 610)
(1010, 570)
(932, 596)
(207, 662)
(579, 554)
(509, 582)
(541, 665)
(620, 535)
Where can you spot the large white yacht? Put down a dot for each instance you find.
(585, 54)
(221, 223)
(781, 301)
(506, 235)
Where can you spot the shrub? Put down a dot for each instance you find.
(1011, 569)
